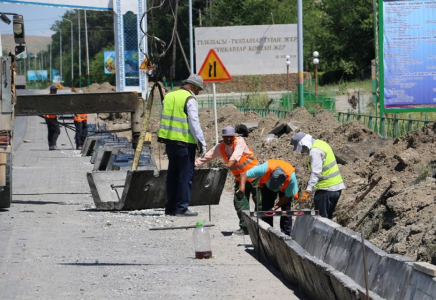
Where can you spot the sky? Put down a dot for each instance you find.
(37, 19)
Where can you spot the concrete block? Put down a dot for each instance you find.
(355, 268)
(425, 268)
(421, 285)
(104, 196)
(319, 237)
(88, 144)
(145, 189)
(345, 288)
(104, 154)
(99, 143)
(392, 276)
(339, 249)
(302, 228)
(256, 229)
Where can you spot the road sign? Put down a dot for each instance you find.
(146, 65)
(213, 69)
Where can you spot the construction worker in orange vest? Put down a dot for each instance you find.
(276, 177)
(81, 124)
(239, 158)
(52, 125)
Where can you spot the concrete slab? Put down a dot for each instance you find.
(88, 144)
(392, 277)
(104, 196)
(146, 189)
(421, 286)
(104, 154)
(99, 143)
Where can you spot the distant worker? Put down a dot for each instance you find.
(181, 133)
(52, 125)
(81, 124)
(239, 158)
(276, 177)
(325, 178)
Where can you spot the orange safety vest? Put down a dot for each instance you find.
(272, 165)
(243, 165)
(50, 116)
(80, 117)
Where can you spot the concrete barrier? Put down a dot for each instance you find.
(145, 189)
(326, 261)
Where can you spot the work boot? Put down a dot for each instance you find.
(240, 231)
(187, 213)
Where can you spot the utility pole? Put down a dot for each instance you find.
(87, 52)
(173, 67)
(72, 53)
(80, 52)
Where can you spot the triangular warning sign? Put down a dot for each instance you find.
(146, 65)
(213, 69)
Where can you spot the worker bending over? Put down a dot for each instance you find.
(325, 178)
(276, 177)
(239, 158)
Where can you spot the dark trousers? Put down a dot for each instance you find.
(81, 132)
(268, 199)
(244, 203)
(325, 202)
(181, 161)
(53, 131)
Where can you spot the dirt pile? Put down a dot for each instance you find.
(403, 221)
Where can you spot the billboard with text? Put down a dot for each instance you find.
(408, 55)
(249, 50)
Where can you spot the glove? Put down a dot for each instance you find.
(305, 196)
(239, 194)
(201, 150)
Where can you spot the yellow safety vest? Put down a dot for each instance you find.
(330, 174)
(174, 124)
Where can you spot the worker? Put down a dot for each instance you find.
(276, 177)
(325, 179)
(52, 125)
(181, 133)
(81, 124)
(239, 158)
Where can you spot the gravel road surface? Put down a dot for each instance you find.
(54, 245)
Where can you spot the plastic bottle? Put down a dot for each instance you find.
(201, 241)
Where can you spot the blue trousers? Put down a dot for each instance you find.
(81, 132)
(268, 199)
(53, 131)
(181, 162)
(325, 202)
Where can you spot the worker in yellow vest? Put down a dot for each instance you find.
(181, 133)
(81, 124)
(239, 158)
(325, 178)
(52, 125)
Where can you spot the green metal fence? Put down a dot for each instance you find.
(386, 126)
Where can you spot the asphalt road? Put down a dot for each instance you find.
(54, 245)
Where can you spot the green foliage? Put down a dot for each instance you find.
(255, 97)
(342, 32)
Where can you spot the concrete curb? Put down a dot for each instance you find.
(325, 260)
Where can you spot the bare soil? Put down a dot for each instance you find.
(402, 222)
